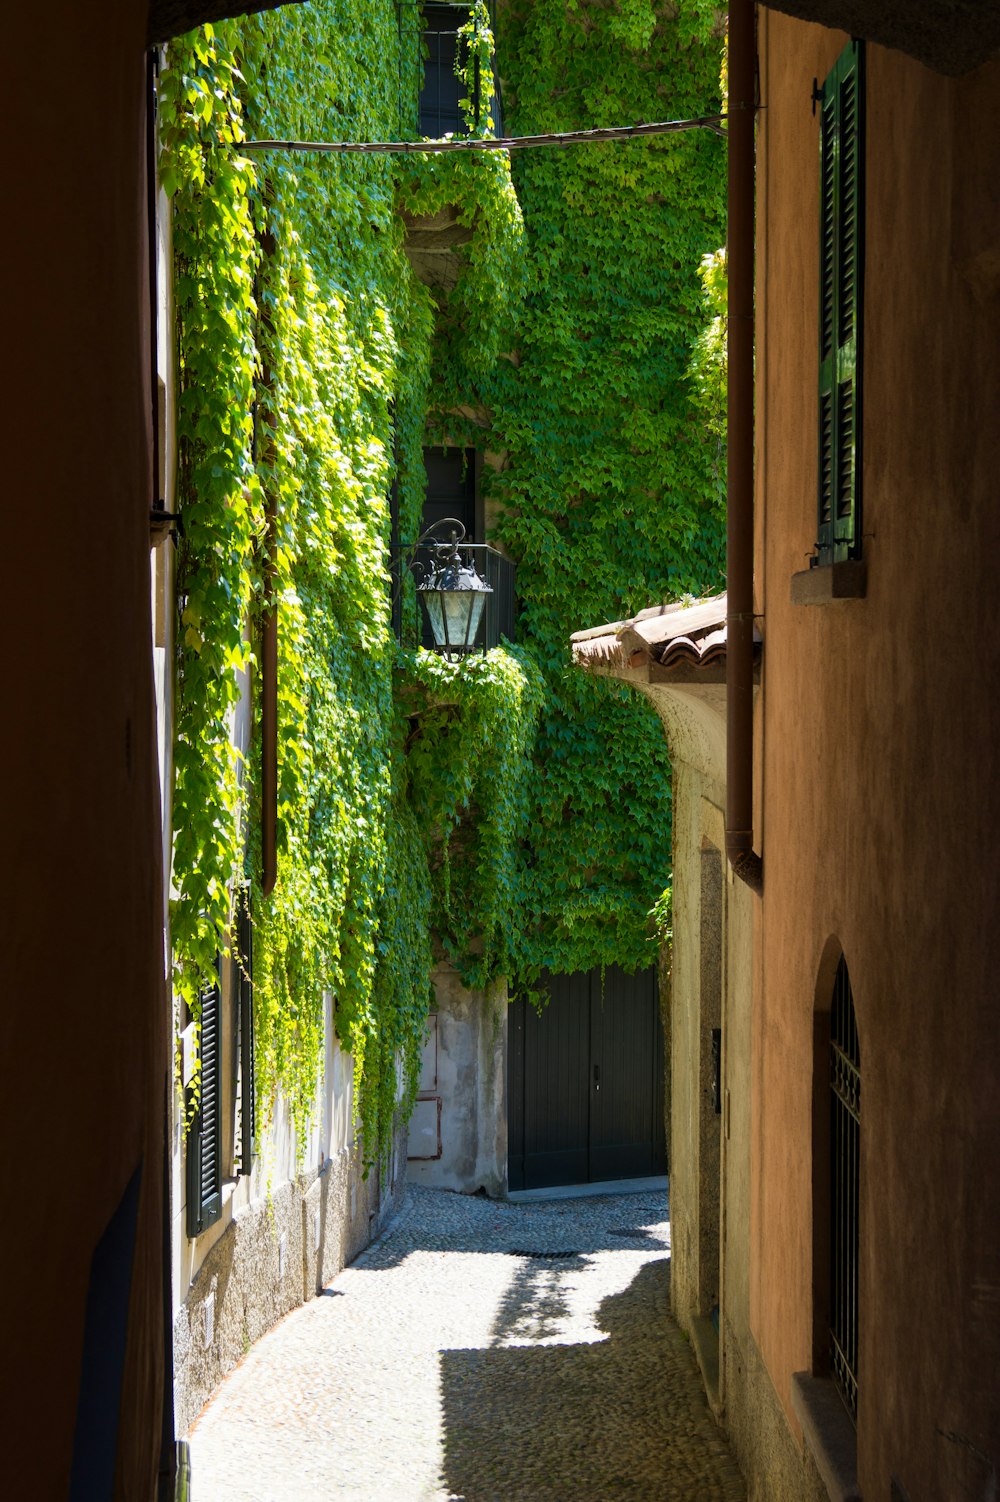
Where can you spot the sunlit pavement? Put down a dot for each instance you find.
(495, 1352)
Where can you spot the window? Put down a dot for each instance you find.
(825, 1398)
(845, 1169)
(204, 1144)
(440, 109)
(246, 1100)
(222, 1135)
(452, 489)
(840, 320)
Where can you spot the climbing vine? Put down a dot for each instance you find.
(215, 256)
(509, 814)
(606, 484)
(477, 318)
(470, 736)
(304, 370)
(708, 361)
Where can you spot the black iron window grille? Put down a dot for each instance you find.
(845, 1167)
(409, 566)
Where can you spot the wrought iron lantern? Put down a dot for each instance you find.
(454, 594)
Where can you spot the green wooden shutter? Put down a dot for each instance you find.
(204, 1145)
(840, 316)
(248, 1082)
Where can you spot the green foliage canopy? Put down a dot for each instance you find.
(304, 365)
(416, 805)
(608, 492)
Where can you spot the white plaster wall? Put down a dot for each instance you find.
(470, 1085)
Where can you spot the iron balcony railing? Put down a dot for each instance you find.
(408, 564)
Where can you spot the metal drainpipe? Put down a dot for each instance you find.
(746, 863)
(268, 677)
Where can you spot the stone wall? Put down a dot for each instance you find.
(774, 1464)
(275, 1253)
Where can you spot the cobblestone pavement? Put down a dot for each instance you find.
(483, 1351)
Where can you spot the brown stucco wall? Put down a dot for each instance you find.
(84, 1017)
(879, 792)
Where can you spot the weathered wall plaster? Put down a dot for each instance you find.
(710, 986)
(470, 1084)
(276, 1251)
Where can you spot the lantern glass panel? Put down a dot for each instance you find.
(454, 616)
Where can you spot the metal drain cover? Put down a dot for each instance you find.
(545, 1256)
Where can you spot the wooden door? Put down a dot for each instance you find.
(585, 1100)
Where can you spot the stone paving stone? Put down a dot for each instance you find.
(481, 1351)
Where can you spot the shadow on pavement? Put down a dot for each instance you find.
(535, 1306)
(621, 1417)
(546, 1228)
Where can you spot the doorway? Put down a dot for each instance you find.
(585, 1075)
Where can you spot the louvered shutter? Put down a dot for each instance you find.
(248, 1082)
(840, 322)
(204, 1145)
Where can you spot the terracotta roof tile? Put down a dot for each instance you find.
(688, 635)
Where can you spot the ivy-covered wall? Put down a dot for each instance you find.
(414, 799)
(607, 412)
(304, 340)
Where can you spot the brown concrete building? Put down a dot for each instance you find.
(875, 1198)
(839, 1221)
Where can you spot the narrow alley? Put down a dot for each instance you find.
(486, 1351)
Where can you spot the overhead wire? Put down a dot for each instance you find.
(497, 143)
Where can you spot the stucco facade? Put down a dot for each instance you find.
(874, 795)
(676, 658)
(877, 780)
(709, 1160)
(458, 1130)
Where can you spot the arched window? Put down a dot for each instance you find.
(845, 1164)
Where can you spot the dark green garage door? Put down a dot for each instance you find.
(585, 1082)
